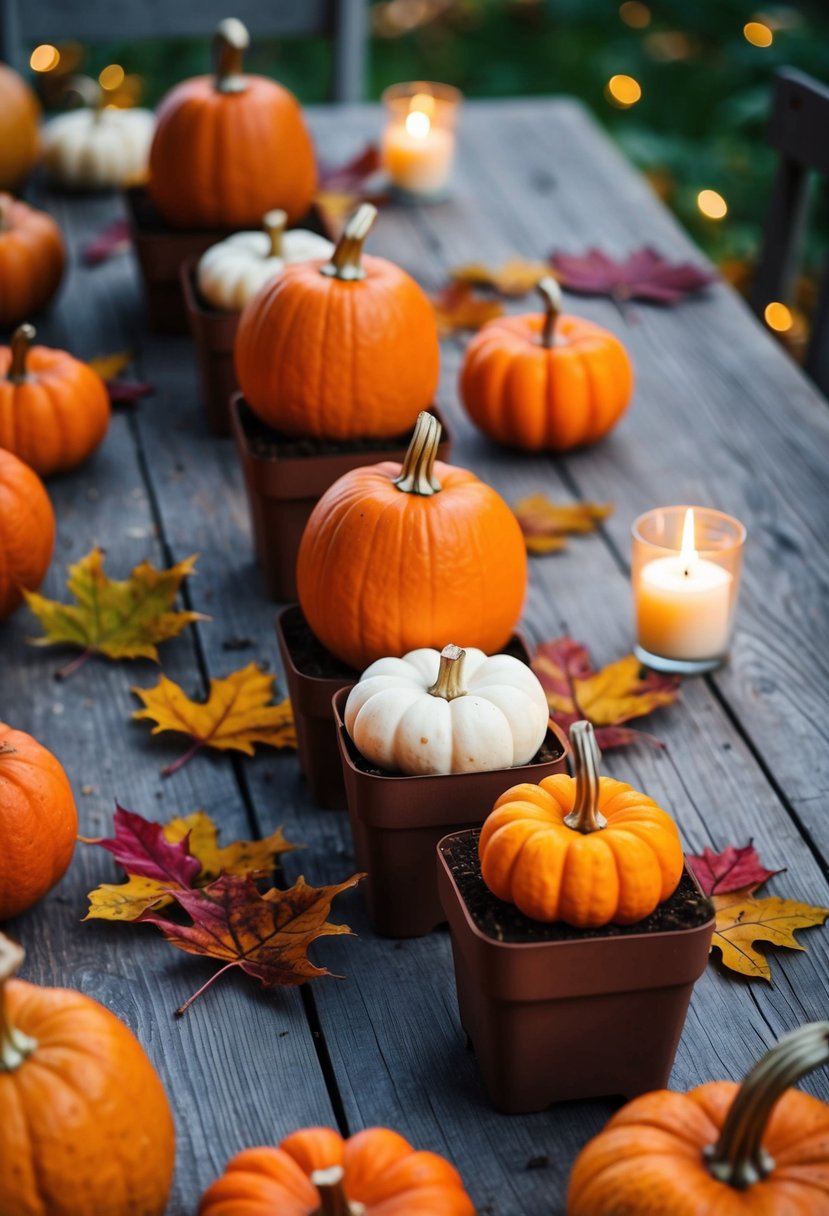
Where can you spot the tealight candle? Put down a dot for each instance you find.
(685, 595)
(419, 141)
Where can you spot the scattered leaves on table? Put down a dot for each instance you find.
(515, 277)
(342, 187)
(121, 392)
(608, 697)
(459, 307)
(184, 853)
(546, 524)
(643, 275)
(113, 239)
(733, 869)
(237, 714)
(121, 619)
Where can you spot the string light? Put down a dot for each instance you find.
(778, 317)
(757, 33)
(712, 205)
(623, 91)
(635, 14)
(111, 77)
(44, 58)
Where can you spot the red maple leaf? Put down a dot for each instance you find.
(141, 848)
(643, 275)
(115, 238)
(734, 869)
(349, 177)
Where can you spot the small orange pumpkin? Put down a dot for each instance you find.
(54, 410)
(396, 557)
(86, 1128)
(756, 1149)
(586, 850)
(545, 382)
(340, 349)
(32, 258)
(19, 131)
(38, 821)
(27, 532)
(229, 147)
(314, 1172)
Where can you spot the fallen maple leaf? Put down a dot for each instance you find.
(268, 936)
(110, 366)
(342, 187)
(607, 697)
(731, 870)
(115, 238)
(742, 921)
(546, 524)
(121, 392)
(643, 275)
(515, 277)
(457, 307)
(119, 619)
(236, 715)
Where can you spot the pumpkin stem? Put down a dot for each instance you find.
(345, 260)
(738, 1157)
(333, 1199)
(550, 293)
(230, 42)
(417, 476)
(15, 1046)
(275, 223)
(22, 339)
(5, 205)
(449, 683)
(585, 816)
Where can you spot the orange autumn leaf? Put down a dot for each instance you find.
(109, 367)
(515, 277)
(546, 524)
(743, 921)
(237, 714)
(457, 307)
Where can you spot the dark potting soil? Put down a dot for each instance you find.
(686, 908)
(308, 653)
(268, 444)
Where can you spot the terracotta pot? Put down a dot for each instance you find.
(282, 491)
(214, 333)
(397, 821)
(582, 1018)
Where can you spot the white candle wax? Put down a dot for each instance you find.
(683, 608)
(418, 155)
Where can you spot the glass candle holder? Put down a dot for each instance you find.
(418, 146)
(686, 580)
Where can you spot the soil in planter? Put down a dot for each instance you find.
(268, 444)
(308, 653)
(686, 908)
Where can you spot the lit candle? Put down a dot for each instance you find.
(419, 142)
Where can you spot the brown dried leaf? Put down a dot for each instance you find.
(457, 307)
(546, 524)
(515, 277)
(742, 921)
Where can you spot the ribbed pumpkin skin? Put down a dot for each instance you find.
(381, 572)
(382, 1171)
(56, 417)
(524, 395)
(27, 532)
(19, 133)
(339, 360)
(619, 874)
(32, 258)
(38, 822)
(86, 1127)
(648, 1161)
(221, 160)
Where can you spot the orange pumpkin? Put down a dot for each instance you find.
(32, 258)
(545, 382)
(19, 131)
(27, 532)
(38, 822)
(339, 349)
(229, 147)
(86, 1127)
(396, 557)
(586, 850)
(54, 410)
(756, 1149)
(315, 1172)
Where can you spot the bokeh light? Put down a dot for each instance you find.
(712, 205)
(757, 33)
(111, 77)
(44, 58)
(778, 317)
(623, 91)
(635, 14)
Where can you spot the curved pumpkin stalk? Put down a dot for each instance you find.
(346, 263)
(15, 1046)
(22, 339)
(230, 42)
(738, 1158)
(275, 222)
(449, 683)
(550, 293)
(417, 476)
(585, 816)
(333, 1199)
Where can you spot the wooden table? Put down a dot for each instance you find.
(720, 416)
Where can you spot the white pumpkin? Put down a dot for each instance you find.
(97, 148)
(452, 711)
(230, 273)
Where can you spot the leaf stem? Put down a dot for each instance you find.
(63, 673)
(169, 769)
(182, 1009)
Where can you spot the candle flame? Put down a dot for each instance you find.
(687, 553)
(418, 124)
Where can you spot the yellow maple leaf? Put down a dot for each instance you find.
(620, 691)
(515, 277)
(109, 367)
(119, 619)
(742, 921)
(235, 716)
(547, 524)
(457, 307)
(126, 901)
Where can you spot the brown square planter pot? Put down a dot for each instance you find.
(214, 333)
(397, 821)
(582, 1018)
(283, 491)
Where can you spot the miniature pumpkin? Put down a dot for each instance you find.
(32, 258)
(756, 1149)
(341, 349)
(232, 271)
(314, 1172)
(229, 147)
(586, 850)
(456, 711)
(38, 822)
(27, 532)
(546, 382)
(395, 557)
(98, 147)
(54, 410)
(19, 135)
(86, 1127)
